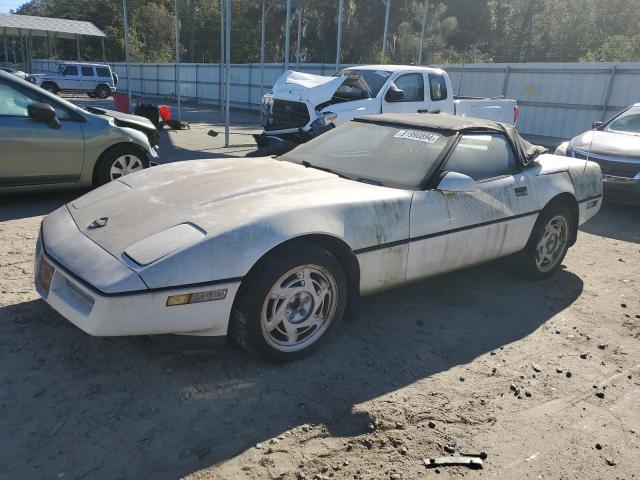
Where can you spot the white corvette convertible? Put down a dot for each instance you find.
(276, 251)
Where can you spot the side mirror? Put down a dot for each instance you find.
(43, 112)
(454, 182)
(394, 94)
(597, 124)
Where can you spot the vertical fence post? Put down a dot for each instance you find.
(177, 74)
(287, 36)
(299, 38)
(386, 29)
(339, 40)
(249, 88)
(609, 87)
(424, 24)
(227, 73)
(220, 68)
(126, 50)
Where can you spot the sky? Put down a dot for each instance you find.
(7, 5)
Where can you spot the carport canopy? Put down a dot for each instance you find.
(28, 26)
(17, 25)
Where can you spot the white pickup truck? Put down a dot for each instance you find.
(303, 106)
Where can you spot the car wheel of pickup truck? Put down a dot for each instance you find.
(547, 245)
(102, 91)
(289, 303)
(118, 162)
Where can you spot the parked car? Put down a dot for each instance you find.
(13, 71)
(275, 259)
(48, 142)
(615, 146)
(95, 80)
(303, 106)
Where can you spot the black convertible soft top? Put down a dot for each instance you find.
(525, 151)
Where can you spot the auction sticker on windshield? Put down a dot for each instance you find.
(425, 137)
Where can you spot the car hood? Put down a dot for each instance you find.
(608, 143)
(168, 207)
(305, 87)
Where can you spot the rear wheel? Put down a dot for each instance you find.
(119, 162)
(547, 245)
(290, 303)
(51, 87)
(102, 91)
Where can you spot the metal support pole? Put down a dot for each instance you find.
(424, 24)
(262, 39)
(6, 48)
(227, 73)
(339, 41)
(78, 46)
(29, 51)
(386, 29)
(287, 32)
(177, 73)
(220, 69)
(126, 49)
(299, 39)
(605, 105)
(104, 53)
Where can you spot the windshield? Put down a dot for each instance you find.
(373, 78)
(628, 121)
(384, 155)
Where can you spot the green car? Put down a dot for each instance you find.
(47, 142)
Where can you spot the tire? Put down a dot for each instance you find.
(125, 158)
(50, 87)
(91, 94)
(291, 270)
(547, 245)
(102, 91)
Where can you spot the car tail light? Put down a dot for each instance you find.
(516, 113)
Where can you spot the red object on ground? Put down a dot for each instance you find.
(122, 102)
(165, 113)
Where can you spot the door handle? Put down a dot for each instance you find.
(423, 110)
(520, 191)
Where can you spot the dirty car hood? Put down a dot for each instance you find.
(216, 197)
(305, 87)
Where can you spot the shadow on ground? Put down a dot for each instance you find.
(137, 408)
(24, 205)
(611, 217)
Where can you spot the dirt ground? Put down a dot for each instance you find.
(428, 366)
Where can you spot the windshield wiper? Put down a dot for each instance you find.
(324, 169)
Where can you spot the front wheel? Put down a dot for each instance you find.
(50, 87)
(547, 245)
(119, 162)
(290, 303)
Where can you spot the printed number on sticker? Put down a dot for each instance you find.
(425, 137)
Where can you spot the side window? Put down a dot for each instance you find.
(482, 156)
(87, 71)
(13, 103)
(412, 84)
(103, 72)
(437, 87)
(70, 70)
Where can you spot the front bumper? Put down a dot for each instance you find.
(117, 313)
(621, 189)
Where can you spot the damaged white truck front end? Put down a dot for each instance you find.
(304, 105)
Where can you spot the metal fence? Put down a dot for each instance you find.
(557, 100)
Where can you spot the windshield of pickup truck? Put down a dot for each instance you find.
(628, 122)
(393, 156)
(373, 78)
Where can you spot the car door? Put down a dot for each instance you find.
(87, 78)
(450, 230)
(405, 94)
(71, 79)
(32, 152)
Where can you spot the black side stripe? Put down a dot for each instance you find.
(590, 198)
(445, 232)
